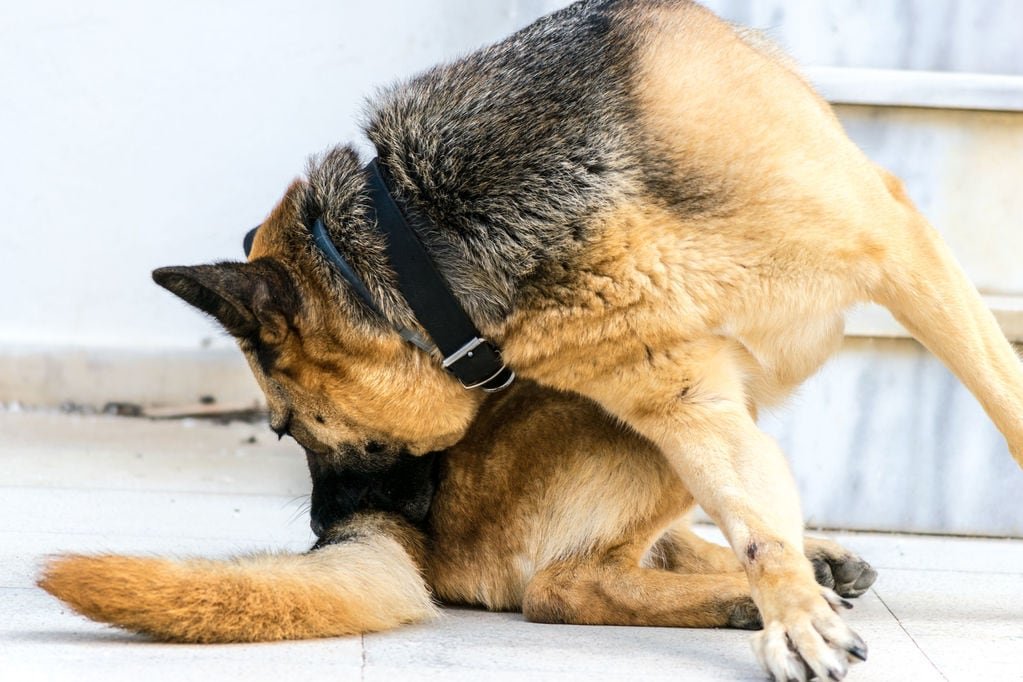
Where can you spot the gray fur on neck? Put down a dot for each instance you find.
(509, 156)
(337, 194)
(510, 152)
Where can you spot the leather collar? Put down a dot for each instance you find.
(473, 360)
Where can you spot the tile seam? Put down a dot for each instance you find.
(911, 638)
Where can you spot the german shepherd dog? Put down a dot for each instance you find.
(640, 205)
(547, 505)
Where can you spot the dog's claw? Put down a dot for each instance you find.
(814, 643)
(835, 601)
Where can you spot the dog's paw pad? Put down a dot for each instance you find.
(846, 573)
(745, 616)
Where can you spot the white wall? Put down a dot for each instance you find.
(135, 134)
(982, 36)
(139, 134)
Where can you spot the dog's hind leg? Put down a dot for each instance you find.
(928, 292)
(840, 569)
(614, 593)
(683, 551)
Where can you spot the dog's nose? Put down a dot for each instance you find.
(316, 527)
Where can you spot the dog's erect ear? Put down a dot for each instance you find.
(250, 300)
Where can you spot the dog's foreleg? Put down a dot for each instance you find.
(740, 477)
(694, 409)
(928, 292)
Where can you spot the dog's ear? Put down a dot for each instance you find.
(251, 300)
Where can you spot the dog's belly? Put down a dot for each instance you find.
(543, 477)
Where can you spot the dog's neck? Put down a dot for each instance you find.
(481, 279)
(465, 353)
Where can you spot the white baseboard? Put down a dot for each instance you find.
(94, 377)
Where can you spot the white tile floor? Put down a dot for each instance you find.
(943, 609)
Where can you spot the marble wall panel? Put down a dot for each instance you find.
(886, 438)
(982, 36)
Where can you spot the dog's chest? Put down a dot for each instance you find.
(647, 289)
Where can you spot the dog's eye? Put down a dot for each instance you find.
(374, 447)
(320, 419)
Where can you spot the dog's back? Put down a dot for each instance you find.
(520, 148)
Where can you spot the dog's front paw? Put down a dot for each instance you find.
(836, 567)
(809, 640)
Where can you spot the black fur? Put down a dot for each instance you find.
(244, 297)
(511, 151)
(510, 155)
(405, 488)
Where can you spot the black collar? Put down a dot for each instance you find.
(467, 355)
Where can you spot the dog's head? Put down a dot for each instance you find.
(352, 392)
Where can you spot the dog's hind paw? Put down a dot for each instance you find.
(836, 567)
(745, 616)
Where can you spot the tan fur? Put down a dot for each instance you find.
(347, 378)
(546, 506)
(695, 321)
(367, 584)
(680, 324)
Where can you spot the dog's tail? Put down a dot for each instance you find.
(368, 579)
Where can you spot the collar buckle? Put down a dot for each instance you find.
(465, 351)
(476, 356)
(475, 363)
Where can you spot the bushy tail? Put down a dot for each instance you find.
(368, 581)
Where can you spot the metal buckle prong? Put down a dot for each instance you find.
(464, 351)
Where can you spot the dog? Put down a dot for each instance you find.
(547, 506)
(636, 203)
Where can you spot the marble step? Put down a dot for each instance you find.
(928, 89)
